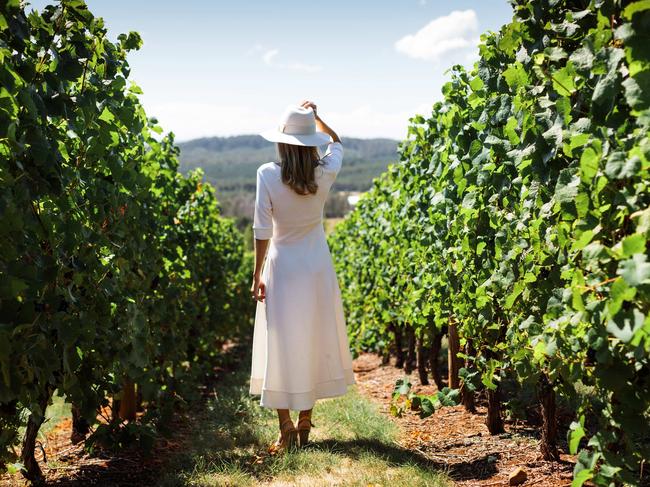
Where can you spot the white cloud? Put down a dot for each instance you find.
(269, 55)
(453, 32)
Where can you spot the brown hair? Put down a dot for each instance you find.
(297, 165)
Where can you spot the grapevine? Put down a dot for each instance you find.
(114, 268)
(519, 213)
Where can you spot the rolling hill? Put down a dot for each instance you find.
(230, 162)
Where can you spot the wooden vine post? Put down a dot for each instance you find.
(494, 421)
(434, 361)
(399, 351)
(128, 401)
(80, 426)
(422, 356)
(548, 444)
(410, 361)
(453, 360)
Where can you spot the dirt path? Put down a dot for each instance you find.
(459, 442)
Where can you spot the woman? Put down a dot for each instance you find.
(300, 345)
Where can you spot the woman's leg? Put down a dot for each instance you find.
(304, 426)
(305, 414)
(288, 436)
(283, 414)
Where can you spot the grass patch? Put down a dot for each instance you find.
(55, 413)
(352, 444)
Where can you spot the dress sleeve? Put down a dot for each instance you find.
(333, 158)
(262, 219)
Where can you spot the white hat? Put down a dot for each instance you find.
(298, 127)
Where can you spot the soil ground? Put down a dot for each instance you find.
(357, 442)
(459, 442)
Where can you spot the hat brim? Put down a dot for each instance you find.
(311, 140)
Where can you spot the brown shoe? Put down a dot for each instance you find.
(288, 438)
(304, 427)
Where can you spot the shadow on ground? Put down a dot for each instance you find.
(481, 468)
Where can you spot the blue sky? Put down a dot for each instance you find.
(225, 68)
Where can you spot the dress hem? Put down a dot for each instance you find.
(300, 401)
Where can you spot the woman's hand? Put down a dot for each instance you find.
(258, 289)
(320, 125)
(309, 104)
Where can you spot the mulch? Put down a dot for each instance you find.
(458, 442)
(67, 464)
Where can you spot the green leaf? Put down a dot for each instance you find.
(14, 468)
(635, 7)
(402, 386)
(588, 164)
(624, 325)
(635, 271)
(582, 58)
(637, 90)
(516, 76)
(579, 140)
(476, 84)
(576, 433)
(593, 252)
(618, 293)
(539, 350)
(563, 80)
(584, 238)
(582, 202)
(130, 41)
(581, 477)
(618, 166)
(566, 188)
(134, 88)
(469, 201)
(605, 89)
(510, 130)
(633, 244)
(427, 407)
(449, 398)
(608, 471)
(555, 53)
(106, 115)
(517, 290)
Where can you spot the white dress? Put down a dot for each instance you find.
(300, 345)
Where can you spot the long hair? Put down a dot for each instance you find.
(297, 167)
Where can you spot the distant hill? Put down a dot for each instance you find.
(230, 163)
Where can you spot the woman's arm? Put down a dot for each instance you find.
(262, 233)
(320, 125)
(323, 127)
(258, 288)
